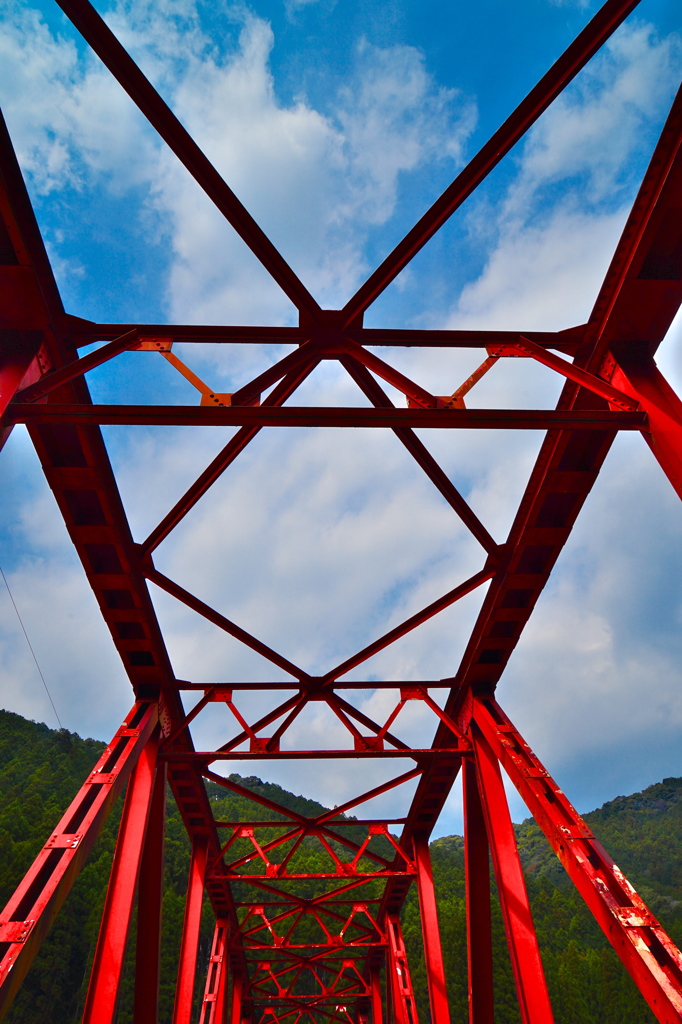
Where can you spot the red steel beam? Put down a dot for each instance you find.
(586, 44)
(631, 315)
(377, 1008)
(28, 272)
(454, 595)
(102, 999)
(477, 886)
(236, 997)
(18, 349)
(423, 457)
(414, 393)
(336, 823)
(28, 293)
(300, 832)
(182, 595)
(234, 447)
(28, 916)
(249, 731)
(641, 291)
(107, 47)
(400, 980)
(643, 379)
(292, 416)
(649, 955)
(328, 817)
(85, 332)
(149, 907)
(339, 684)
(641, 294)
(301, 360)
(78, 470)
(570, 450)
(215, 990)
(51, 381)
(420, 754)
(566, 341)
(76, 462)
(187, 966)
(524, 952)
(525, 347)
(362, 876)
(433, 952)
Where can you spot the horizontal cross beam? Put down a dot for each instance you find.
(208, 756)
(291, 416)
(85, 332)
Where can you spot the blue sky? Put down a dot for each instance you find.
(338, 124)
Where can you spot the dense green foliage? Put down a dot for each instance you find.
(42, 769)
(643, 833)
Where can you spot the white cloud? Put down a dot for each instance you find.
(68, 117)
(292, 7)
(593, 680)
(79, 663)
(317, 543)
(393, 119)
(597, 671)
(592, 129)
(313, 181)
(333, 514)
(86, 668)
(551, 238)
(542, 278)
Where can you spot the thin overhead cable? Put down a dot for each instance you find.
(31, 649)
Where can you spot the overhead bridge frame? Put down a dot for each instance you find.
(264, 966)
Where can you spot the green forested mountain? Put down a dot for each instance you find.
(41, 770)
(643, 833)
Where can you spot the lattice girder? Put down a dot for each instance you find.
(326, 945)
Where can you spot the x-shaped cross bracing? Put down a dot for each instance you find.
(611, 383)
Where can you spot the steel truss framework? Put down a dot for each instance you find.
(281, 954)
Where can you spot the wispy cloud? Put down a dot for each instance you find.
(315, 182)
(551, 235)
(319, 542)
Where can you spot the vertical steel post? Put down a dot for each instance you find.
(213, 1005)
(531, 987)
(647, 952)
(390, 989)
(404, 1006)
(149, 906)
(377, 1008)
(189, 947)
(397, 1013)
(479, 926)
(100, 1005)
(236, 997)
(433, 952)
(220, 1012)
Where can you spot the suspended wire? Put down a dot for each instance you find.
(31, 649)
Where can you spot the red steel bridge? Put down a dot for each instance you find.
(264, 966)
